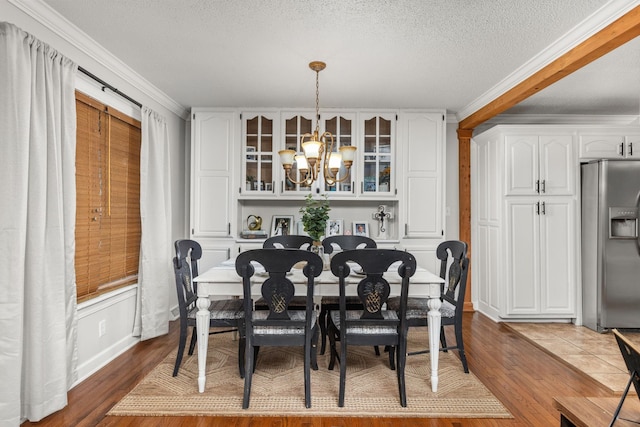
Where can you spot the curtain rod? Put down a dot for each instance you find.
(108, 86)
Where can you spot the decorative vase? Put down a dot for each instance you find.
(318, 249)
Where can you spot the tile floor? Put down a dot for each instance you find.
(595, 354)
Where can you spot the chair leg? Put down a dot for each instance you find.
(181, 345)
(248, 373)
(402, 360)
(443, 339)
(332, 346)
(307, 368)
(460, 345)
(322, 320)
(241, 355)
(343, 372)
(194, 339)
(392, 357)
(314, 349)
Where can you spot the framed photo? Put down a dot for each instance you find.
(251, 149)
(300, 228)
(360, 228)
(334, 227)
(281, 225)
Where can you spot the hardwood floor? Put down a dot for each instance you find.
(522, 376)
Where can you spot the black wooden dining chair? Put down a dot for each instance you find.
(290, 241)
(454, 266)
(223, 313)
(279, 326)
(329, 245)
(373, 324)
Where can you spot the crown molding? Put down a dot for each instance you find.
(585, 29)
(58, 24)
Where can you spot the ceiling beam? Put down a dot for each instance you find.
(625, 28)
(604, 41)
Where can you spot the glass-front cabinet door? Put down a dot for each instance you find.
(295, 125)
(343, 128)
(259, 136)
(378, 147)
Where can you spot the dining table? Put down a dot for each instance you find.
(222, 280)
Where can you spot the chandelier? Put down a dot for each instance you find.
(317, 148)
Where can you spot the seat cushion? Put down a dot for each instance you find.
(222, 309)
(417, 308)
(364, 330)
(298, 315)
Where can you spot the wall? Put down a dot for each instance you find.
(115, 310)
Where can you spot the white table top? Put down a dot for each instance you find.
(223, 280)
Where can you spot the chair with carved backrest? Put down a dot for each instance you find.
(279, 326)
(289, 241)
(631, 356)
(223, 313)
(454, 265)
(329, 245)
(373, 324)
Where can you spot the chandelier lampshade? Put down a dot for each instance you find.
(317, 151)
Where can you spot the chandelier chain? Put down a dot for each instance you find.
(318, 101)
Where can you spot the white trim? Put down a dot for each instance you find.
(585, 29)
(55, 22)
(96, 304)
(88, 86)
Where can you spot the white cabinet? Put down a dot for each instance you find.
(540, 164)
(540, 248)
(423, 171)
(259, 150)
(377, 154)
(524, 223)
(212, 165)
(612, 144)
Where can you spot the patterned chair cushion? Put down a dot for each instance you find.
(355, 314)
(282, 330)
(222, 309)
(417, 308)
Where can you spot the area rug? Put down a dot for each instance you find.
(278, 388)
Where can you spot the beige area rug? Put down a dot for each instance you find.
(278, 389)
(595, 354)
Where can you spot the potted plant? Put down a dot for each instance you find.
(315, 214)
(250, 180)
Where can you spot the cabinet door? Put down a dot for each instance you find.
(423, 171)
(295, 125)
(377, 154)
(211, 173)
(343, 128)
(259, 141)
(601, 146)
(632, 146)
(523, 264)
(557, 256)
(557, 165)
(522, 165)
(213, 254)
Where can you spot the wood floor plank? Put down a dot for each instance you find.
(521, 375)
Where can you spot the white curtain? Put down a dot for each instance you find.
(37, 221)
(155, 274)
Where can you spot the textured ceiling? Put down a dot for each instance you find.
(379, 53)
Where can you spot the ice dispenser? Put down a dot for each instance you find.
(623, 223)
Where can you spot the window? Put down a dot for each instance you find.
(107, 198)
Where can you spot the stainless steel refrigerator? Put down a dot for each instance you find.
(610, 245)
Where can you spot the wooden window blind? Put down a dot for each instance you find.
(108, 198)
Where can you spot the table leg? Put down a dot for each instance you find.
(434, 338)
(202, 328)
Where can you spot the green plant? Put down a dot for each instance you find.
(315, 214)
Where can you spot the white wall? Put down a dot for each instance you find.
(115, 310)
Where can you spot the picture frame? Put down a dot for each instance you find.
(360, 228)
(335, 227)
(251, 149)
(300, 229)
(281, 225)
